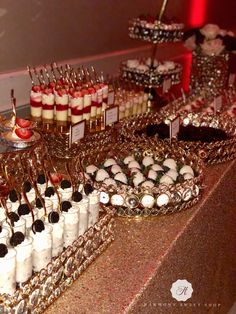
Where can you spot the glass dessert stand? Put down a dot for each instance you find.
(132, 200)
(213, 152)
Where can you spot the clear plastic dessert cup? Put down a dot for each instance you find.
(8, 272)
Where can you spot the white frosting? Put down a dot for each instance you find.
(87, 100)
(42, 240)
(54, 200)
(36, 96)
(72, 216)
(132, 63)
(77, 102)
(57, 236)
(8, 272)
(19, 225)
(48, 99)
(170, 65)
(142, 67)
(66, 194)
(24, 250)
(61, 100)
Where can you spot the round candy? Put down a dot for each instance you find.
(38, 226)
(17, 238)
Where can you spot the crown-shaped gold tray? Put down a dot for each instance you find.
(213, 152)
(180, 195)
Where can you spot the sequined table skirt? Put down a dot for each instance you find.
(135, 274)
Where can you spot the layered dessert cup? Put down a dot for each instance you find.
(48, 101)
(36, 102)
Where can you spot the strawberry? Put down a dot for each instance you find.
(91, 90)
(47, 91)
(36, 88)
(22, 123)
(77, 94)
(61, 92)
(85, 92)
(24, 134)
(56, 177)
(52, 84)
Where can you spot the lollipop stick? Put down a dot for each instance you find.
(163, 7)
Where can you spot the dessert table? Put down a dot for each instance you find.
(135, 274)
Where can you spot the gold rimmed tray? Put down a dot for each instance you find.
(162, 198)
(213, 152)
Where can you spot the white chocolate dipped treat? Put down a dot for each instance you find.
(101, 175)
(147, 161)
(110, 162)
(41, 234)
(121, 177)
(7, 270)
(186, 169)
(173, 174)
(71, 227)
(91, 169)
(170, 163)
(165, 179)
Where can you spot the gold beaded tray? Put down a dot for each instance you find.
(46, 286)
(212, 153)
(155, 32)
(150, 77)
(178, 196)
(58, 143)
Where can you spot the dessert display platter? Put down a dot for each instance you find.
(145, 179)
(52, 227)
(211, 136)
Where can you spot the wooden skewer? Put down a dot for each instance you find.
(163, 7)
(30, 74)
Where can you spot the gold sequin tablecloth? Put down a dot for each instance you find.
(135, 274)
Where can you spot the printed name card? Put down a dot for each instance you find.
(217, 104)
(111, 98)
(77, 132)
(111, 115)
(174, 127)
(166, 85)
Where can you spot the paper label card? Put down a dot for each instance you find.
(166, 85)
(111, 115)
(111, 98)
(174, 127)
(217, 104)
(231, 79)
(77, 131)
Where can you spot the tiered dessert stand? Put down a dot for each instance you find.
(156, 32)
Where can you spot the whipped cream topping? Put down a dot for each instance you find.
(24, 250)
(42, 240)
